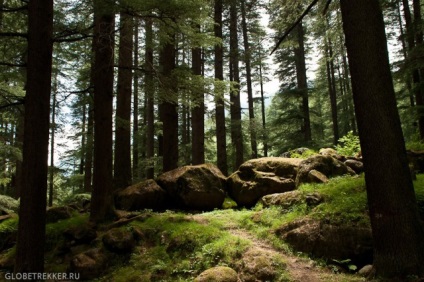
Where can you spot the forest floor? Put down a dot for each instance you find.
(179, 245)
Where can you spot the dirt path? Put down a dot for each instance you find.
(301, 270)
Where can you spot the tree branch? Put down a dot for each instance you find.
(294, 25)
(12, 65)
(17, 9)
(13, 34)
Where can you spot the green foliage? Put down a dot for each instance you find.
(415, 145)
(349, 145)
(9, 225)
(76, 198)
(419, 192)
(9, 203)
(304, 155)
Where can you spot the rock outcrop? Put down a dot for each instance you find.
(325, 164)
(259, 177)
(89, 264)
(321, 239)
(200, 187)
(144, 195)
(119, 240)
(54, 214)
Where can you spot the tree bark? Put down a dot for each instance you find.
(221, 135)
(198, 112)
(302, 82)
(235, 108)
(102, 207)
(332, 91)
(52, 140)
(135, 137)
(169, 106)
(88, 168)
(247, 61)
(416, 80)
(396, 227)
(122, 166)
(32, 213)
(149, 90)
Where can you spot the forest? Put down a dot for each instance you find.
(134, 134)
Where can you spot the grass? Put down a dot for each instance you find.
(177, 246)
(345, 200)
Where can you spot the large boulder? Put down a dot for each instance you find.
(119, 240)
(144, 195)
(259, 177)
(218, 274)
(284, 200)
(54, 214)
(325, 164)
(321, 239)
(200, 187)
(89, 264)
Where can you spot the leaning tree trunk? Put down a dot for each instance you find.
(32, 213)
(396, 227)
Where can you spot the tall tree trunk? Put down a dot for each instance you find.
(265, 135)
(332, 90)
(102, 207)
(221, 135)
(396, 227)
(135, 137)
(404, 52)
(247, 60)
(149, 90)
(416, 80)
(18, 143)
(122, 167)
(198, 112)
(302, 82)
(88, 168)
(32, 212)
(169, 106)
(52, 140)
(235, 109)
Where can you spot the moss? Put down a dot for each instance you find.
(54, 231)
(345, 200)
(9, 225)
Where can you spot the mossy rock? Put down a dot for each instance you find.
(260, 265)
(119, 240)
(218, 274)
(54, 214)
(199, 187)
